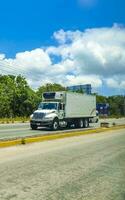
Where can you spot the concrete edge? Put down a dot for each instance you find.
(10, 143)
(28, 140)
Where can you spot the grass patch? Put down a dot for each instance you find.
(14, 120)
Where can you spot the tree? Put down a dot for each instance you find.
(16, 97)
(49, 88)
(116, 105)
(6, 95)
(101, 99)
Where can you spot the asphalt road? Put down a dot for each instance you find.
(10, 131)
(89, 167)
(21, 130)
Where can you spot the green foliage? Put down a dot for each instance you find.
(16, 97)
(116, 103)
(101, 99)
(14, 120)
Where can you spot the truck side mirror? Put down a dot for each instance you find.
(60, 106)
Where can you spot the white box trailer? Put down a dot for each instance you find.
(62, 109)
(80, 105)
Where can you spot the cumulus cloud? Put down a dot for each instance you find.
(77, 80)
(112, 83)
(2, 56)
(116, 82)
(36, 59)
(31, 64)
(98, 51)
(95, 56)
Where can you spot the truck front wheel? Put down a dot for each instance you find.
(55, 125)
(33, 127)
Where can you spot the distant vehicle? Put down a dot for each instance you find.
(62, 109)
(103, 109)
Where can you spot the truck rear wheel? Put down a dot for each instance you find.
(81, 123)
(55, 125)
(86, 123)
(68, 125)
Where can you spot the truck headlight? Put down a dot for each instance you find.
(48, 117)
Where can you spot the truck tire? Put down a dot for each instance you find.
(81, 123)
(55, 125)
(97, 120)
(33, 127)
(86, 123)
(68, 125)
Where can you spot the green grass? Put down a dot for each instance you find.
(13, 120)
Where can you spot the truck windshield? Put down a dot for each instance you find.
(48, 106)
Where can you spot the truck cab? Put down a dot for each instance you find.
(50, 112)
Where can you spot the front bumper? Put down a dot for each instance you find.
(41, 123)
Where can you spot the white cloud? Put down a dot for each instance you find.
(32, 64)
(100, 51)
(93, 56)
(76, 80)
(2, 56)
(62, 37)
(112, 83)
(36, 59)
(116, 82)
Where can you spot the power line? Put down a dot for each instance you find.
(21, 70)
(13, 71)
(8, 66)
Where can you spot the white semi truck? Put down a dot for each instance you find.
(63, 109)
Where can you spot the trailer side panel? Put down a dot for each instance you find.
(80, 105)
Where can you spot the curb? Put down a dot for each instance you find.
(27, 140)
(10, 143)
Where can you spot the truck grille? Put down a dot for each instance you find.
(38, 115)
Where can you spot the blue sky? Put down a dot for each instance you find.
(26, 25)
